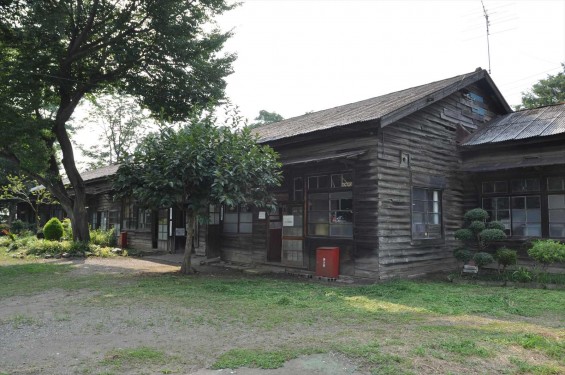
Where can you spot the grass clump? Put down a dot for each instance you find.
(256, 358)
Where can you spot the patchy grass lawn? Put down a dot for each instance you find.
(167, 323)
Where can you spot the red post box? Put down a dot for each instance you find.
(123, 240)
(327, 262)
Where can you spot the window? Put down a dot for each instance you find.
(144, 220)
(526, 216)
(426, 213)
(298, 189)
(498, 209)
(238, 220)
(556, 206)
(331, 214)
(214, 214)
(114, 220)
(491, 187)
(162, 225)
(318, 182)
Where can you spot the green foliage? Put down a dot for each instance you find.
(505, 257)
(67, 229)
(102, 237)
(491, 235)
(522, 275)
(546, 92)
(496, 225)
(53, 229)
(464, 234)
(463, 255)
(265, 117)
(18, 226)
(42, 247)
(477, 226)
(476, 214)
(482, 259)
(547, 252)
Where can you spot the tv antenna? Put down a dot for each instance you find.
(488, 33)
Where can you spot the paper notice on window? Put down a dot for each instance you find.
(262, 215)
(288, 220)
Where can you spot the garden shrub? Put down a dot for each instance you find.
(5, 241)
(505, 257)
(477, 226)
(103, 237)
(476, 214)
(496, 225)
(491, 235)
(53, 229)
(482, 259)
(42, 247)
(463, 255)
(522, 275)
(17, 226)
(547, 252)
(67, 229)
(464, 235)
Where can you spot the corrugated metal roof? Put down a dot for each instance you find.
(365, 110)
(530, 123)
(94, 174)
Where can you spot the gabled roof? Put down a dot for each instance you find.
(97, 173)
(529, 123)
(386, 108)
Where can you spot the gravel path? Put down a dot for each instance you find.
(71, 332)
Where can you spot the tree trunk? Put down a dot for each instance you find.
(186, 267)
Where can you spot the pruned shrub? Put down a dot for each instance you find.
(547, 252)
(477, 226)
(505, 257)
(481, 259)
(491, 235)
(53, 229)
(41, 247)
(17, 226)
(496, 225)
(476, 214)
(464, 235)
(463, 255)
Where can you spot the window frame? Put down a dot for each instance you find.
(425, 214)
(244, 216)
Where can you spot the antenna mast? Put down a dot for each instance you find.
(488, 33)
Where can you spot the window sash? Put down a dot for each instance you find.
(426, 213)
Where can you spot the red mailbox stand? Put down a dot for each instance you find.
(123, 240)
(327, 262)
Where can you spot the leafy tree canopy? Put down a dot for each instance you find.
(546, 92)
(53, 53)
(198, 165)
(265, 117)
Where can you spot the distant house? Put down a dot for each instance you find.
(386, 180)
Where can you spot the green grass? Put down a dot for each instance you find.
(388, 328)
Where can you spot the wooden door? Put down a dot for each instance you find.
(275, 235)
(293, 236)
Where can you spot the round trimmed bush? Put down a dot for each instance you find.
(476, 214)
(53, 229)
(477, 226)
(464, 235)
(496, 225)
(462, 254)
(490, 235)
(505, 257)
(482, 259)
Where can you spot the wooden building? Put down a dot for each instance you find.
(517, 164)
(381, 179)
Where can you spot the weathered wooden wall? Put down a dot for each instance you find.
(430, 139)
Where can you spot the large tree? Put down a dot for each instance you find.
(546, 92)
(121, 124)
(199, 165)
(265, 117)
(53, 53)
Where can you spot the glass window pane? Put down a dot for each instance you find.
(488, 187)
(525, 185)
(246, 217)
(336, 180)
(334, 204)
(433, 219)
(298, 183)
(346, 204)
(557, 216)
(319, 204)
(555, 183)
(500, 187)
(557, 230)
(518, 202)
(533, 215)
(418, 206)
(556, 201)
(502, 203)
(419, 194)
(230, 217)
(345, 230)
(312, 182)
(318, 229)
(318, 217)
(323, 182)
(487, 204)
(245, 227)
(503, 215)
(346, 180)
(341, 217)
(341, 195)
(519, 216)
(533, 202)
(230, 227)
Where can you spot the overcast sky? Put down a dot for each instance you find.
(296, 56)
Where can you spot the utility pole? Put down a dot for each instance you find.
(488, 33)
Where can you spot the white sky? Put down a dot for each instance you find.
(296, 56)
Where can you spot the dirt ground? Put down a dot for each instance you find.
(63, 332)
